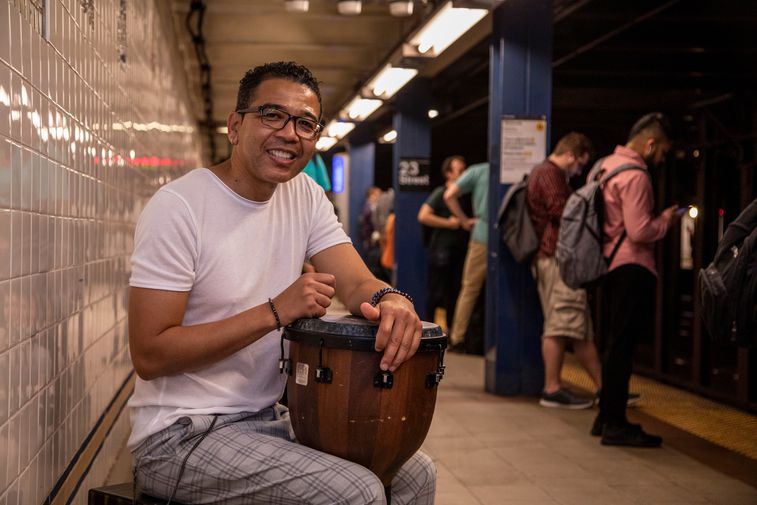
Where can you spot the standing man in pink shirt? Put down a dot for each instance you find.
(629, 287)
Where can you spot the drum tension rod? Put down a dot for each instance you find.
(284, 363)
(322, 374)
(434, 378)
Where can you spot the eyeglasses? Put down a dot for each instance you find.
(276, 118)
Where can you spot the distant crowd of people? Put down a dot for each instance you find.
(630, 230)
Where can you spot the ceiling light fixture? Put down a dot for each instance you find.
(349, 7)
(401, 8)
(360, 108)
(390, 80)
(445, 27)
(325, 143)
(432, 113)
(296, 5)
(338, 129)
(389, 137)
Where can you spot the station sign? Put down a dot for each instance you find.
(414, 174)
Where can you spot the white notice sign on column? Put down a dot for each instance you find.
(523, 145)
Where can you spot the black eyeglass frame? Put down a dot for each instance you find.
(259, 110)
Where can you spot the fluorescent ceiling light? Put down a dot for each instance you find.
(338, 129)
(349, 7)
(325, 143)
(401, 8)
(390, 136)
(390, 80)
(445, 27)
(432, 113)
(360, 108)
(223, 130)
(296, 5)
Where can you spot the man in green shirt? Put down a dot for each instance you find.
(475, 180)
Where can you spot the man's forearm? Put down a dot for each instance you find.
(454, 206)
(363, 293)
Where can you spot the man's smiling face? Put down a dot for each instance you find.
(270, 156)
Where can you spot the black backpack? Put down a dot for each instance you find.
(515, 225)
(728, 286)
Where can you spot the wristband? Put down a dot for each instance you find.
(275, 314)
(385, 291)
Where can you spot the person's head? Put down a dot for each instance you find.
(372, 194)
(572, 153)
(276, 123)
(287, 70)
(651, 137)
(452, 167)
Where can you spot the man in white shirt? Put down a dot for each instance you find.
(216, 271)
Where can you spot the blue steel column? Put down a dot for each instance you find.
(361, 178)
(520, 84)
(414, 141)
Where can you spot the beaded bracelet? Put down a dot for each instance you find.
(275, 314)
(385, 291)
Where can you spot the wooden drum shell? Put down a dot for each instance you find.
(353, 419)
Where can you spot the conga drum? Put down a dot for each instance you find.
(340, 402)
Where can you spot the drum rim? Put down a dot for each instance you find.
(432, 338)
(365, 328)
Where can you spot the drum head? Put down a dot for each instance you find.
(353, 332)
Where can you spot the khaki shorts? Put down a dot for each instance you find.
(566, 311)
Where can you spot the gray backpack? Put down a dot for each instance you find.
(580, 239)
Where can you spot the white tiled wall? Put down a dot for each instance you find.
(84, 141)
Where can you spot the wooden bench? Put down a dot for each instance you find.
(121, 494)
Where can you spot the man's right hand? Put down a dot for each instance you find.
(669, 214)
(469, 223)
(309, 296)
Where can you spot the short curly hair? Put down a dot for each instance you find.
(280, 69)
(654, 122)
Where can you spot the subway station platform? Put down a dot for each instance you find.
(506, 451)
(494, 450)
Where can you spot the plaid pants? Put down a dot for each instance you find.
(254, 458)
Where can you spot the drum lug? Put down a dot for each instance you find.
(323, 374)
(383, 380)
(433, 379)
(284, 363)
(285, 366)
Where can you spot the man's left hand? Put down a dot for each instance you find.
(399, 332)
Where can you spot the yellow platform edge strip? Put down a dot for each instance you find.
(715, 422)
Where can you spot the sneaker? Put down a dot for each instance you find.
(633, 398)
(629, 435)
(598, 426)
(456, 348)
(564, 399)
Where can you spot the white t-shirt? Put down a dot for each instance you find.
(231, 254)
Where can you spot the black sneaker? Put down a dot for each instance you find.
(598, 426)
(629, 435)
(456, 348)
(633, 398)
(564, 399)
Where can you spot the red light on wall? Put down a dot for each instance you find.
(721, 212)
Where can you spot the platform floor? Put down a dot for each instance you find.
(510, 451)
(493, 450)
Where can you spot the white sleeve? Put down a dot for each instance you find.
(325, 230)
(165, 245)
